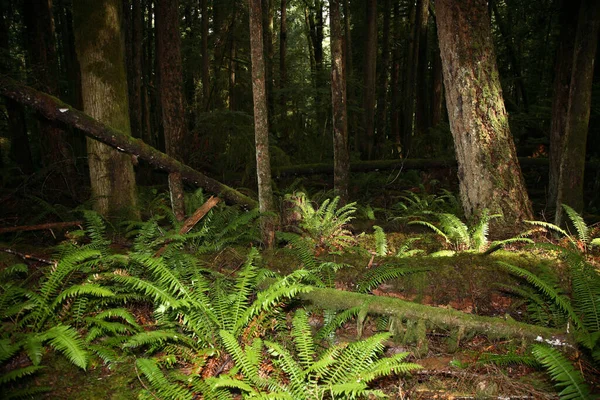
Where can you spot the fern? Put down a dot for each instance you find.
(386, 272)
(165, 389)
(562, 372)
(381, 245)
(66, 340)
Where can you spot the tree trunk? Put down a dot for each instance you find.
(382, 109)
(572, 163)
(369, 79)
(205, 67)
(282, 61)
(55, 110)
(43, 59)
(338, 98)
(422, 120)
(261, 127)
(437, 87)
(560, 100)
(100, 50)
(267, 8)
(171, 94)
(488, 169)
(135, 75)
(395, 121)
(408, 83)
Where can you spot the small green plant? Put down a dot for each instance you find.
(582, 240)
(461, 237)
(326, 226)
(415, 203)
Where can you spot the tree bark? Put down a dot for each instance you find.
(282, 60)
(572, 163)
(205, 67)
(560, 100)
(488, 169)
(369, 79)
(99, 45)
(261, 124)
(55, 110)
(341, 158)
(171, 94)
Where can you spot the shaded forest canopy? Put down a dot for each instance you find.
(411, 151)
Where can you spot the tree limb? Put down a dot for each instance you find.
(55, 110)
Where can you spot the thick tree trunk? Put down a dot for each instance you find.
(171, 94)
(338, 98)
(488, 169)
(100, 50)
(560, 100)
(572, 164)
(261, 127)
(53, 109)
(369, 80)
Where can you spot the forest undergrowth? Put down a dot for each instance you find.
(438, 309)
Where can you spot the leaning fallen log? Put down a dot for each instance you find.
(55, 110)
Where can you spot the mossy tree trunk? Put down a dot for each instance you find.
(98, 41)
(171, 94)
(261, 124)
(572, 162)
(488, 170)
(338, 99)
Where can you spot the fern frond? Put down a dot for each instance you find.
(244, 286)
(248, 366)
(285, 360)
(150, 338)
(336, 322)
(546, 289)
(34, 348)
(89, 289)
(552, 227)
(302, 337)
(585, 284)
(381, 245)
(562, 372)
(578, 223)
(166, 390)
(19, 373)
(8, 349)
(384, 273)
(432, 227)
(156, 293)
(66, 340)
(511, 358)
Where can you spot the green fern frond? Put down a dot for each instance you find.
(89, 289)
(244, 286)
(121, 313)
(562, 372)
(165, 389)
(432, 227)
(578, 223)
(19, 373)
(8, 349)
(34, 348)
(546, 289)
(384, 273)
(381, 245)
(585, 284)
(151, 338)
(480, 231)
(11, 271)
(243, 359)
(302, 337)
(387, 366)
(552, 227)
(156, 293)
(336, 322)
(66, 340)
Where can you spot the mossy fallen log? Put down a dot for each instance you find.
(55, 110)
(445, 318)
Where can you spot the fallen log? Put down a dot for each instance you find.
(399, 165)
(41, 227)
(493, 327)
(55, 110)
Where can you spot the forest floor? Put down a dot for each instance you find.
(453, 367)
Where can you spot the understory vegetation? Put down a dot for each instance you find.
(208, 314)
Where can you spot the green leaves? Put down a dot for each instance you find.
(562, 372)
(66, 340)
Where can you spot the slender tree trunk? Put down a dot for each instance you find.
(20, 152)
(39, 21)
(282, 59)
(422, 121)
(369, 79)
(135, 78)
(395, 114)
(563, 70)
(382, 109)
(147, 72)
(261, 127)
(437, 91)
(267, 8)
(338, 98)
(488, 169)
(408, 84)
(232, 71)
(205, 68)
(171, 94)
(572, 163)
(100, 50)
